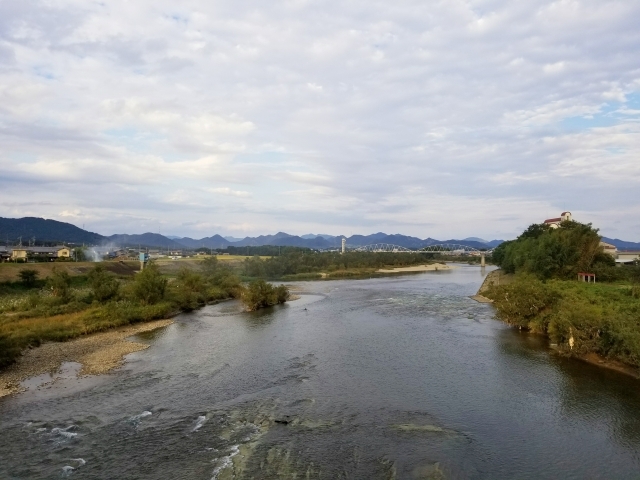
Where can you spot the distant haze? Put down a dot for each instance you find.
(432, 119)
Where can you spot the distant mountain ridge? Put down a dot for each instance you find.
(323, 242)
(54, 231)
(145, 239)
(621, 244)
(12, 229)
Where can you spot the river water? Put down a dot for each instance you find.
(385, 378)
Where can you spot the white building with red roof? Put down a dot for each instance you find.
(555, 222)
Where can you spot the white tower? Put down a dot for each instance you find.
(344, 245)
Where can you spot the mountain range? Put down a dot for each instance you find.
(13, 229)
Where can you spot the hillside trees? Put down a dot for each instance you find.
(554, 253)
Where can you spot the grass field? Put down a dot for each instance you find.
(9, 271)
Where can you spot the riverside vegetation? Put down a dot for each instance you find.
(545, 297)
(300, 264)
(62, 307)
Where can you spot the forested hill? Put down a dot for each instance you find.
(11, 229)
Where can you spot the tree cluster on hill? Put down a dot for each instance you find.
(556, 253)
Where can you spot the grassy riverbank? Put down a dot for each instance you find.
(61, 307)
(579, 318)
(543, 295)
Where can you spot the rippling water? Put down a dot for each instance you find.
(388, 378)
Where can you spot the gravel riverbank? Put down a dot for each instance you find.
(98, 353)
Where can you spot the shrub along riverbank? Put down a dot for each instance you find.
(62, 307)
(580, 318)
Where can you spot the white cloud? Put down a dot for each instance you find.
(328, 116)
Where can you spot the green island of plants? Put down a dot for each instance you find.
(62, 307)
(546, 297)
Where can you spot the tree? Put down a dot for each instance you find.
(60, 284)
(191, 289)
(28, 277)
(149, 285)
(221, 277)
(260, 294)
(534, 231)
(80, 254)
(554, 253)
(254, 267)
(103, 285)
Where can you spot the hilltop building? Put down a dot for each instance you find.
(566, 217)
(555, 222)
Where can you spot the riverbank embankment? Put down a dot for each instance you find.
(98, 353)
(493, 278)
(595, 323)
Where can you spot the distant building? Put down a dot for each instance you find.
(610, 249)
(628, 256)
(555, 222)
(22, 254)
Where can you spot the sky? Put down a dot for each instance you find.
(442, 119)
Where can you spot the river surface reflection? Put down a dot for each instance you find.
(402, 377)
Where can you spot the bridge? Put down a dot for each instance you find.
(454, 249)
(383, 247)
(444, 248)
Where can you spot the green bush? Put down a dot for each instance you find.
(190, 290)
(523, 302)
(260, 294)
(28, 277)
(104, 286)
(221, 279)
(149, 286)
(60, 284)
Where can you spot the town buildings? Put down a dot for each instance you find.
(24, 254)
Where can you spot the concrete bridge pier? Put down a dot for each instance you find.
(482, 262)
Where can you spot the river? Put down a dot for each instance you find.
(402, 377)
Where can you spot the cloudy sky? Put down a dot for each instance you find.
(442, 118)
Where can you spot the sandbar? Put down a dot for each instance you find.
(434, 267)
(98, 353)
